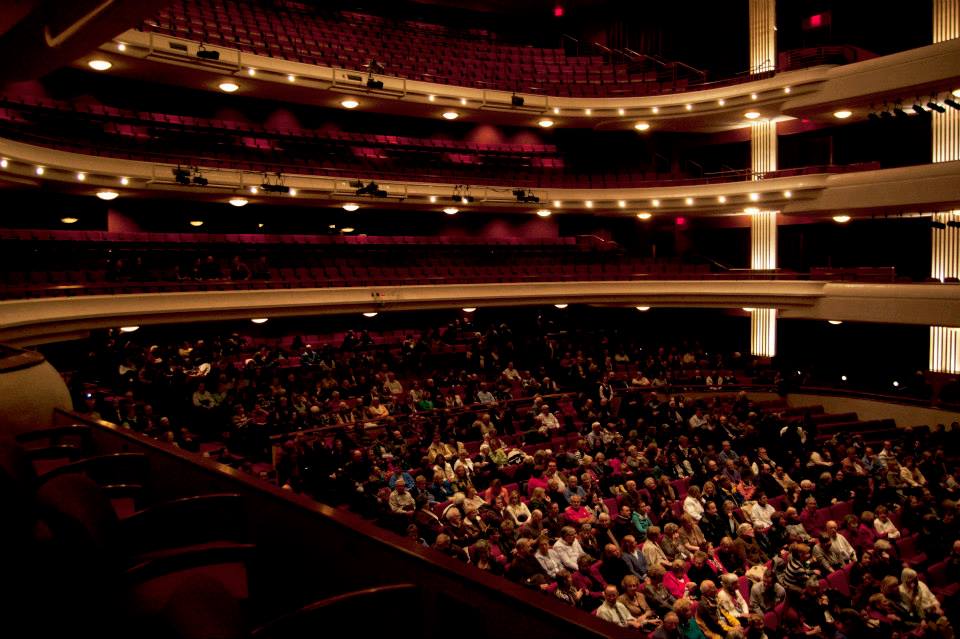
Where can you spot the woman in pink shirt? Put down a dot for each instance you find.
(676, 581)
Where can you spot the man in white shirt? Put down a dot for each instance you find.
(546, 421)
(761, 515)
(614, 611)
(568, 548)
(510, 373)
(840, 544)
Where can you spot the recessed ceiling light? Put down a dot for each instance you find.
(643, 309)
(620, 112)
(293, 192)
(370, 314)
(588, 111)
(722, 199)
(433, 199)
(350, 207)
(124, 181)
(786, 89)
(469, 309)
(40, 170)
(259, 320)
(754, 197)
(432, 98)
(196, 223)
(129, 329)
(622, 204)
(107, 195)
(253, 190)
(81, 176)
(69, 220)
(655, 109)
(349, 103)
(544, 212)
(450, 115)
(655, 203)
(229, 87)
(753, 96)
(291, 78)
(4, 163)
(834, 322)
(99, 65)
(641, 126)
(841, 219)
(956, 93)
(842, 115)
(749, 310)
(259, 225)
(688, 107)
(463, 101)
(721, 102)
(788, 194)
(545, 123)
(751, 115)
(843, 378)
(251, 71)
(557, 204)
(588, 204)
(121, 47)
(451, 210)
(348, 229)
(556, 110)
(561, 306)
(644, 216)
(689, 201)
(751, 210)
(238, 201)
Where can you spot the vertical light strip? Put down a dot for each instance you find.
(763, 332)
(763, 148)
(945, 341)
(763, 36)
(763, 240)
(944, 349)
(946, 20)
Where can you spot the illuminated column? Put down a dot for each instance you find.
(763, 240)
(763, 148)
(945, 262)
(763, 332)
(763, 35)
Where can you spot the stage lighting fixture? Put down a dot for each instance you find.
(899, 112)
(525, 196)
(886, 115)
(371, 189)
(516, 100)
(199, 180)
(266, 187)
(203, 54)
(182, 176)
(936, 107)
(950, 102)
(954, 224)
(940, 226)
(919, 110)
(374, 84)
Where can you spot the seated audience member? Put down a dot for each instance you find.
(613, 611)
(676, 581)
(730, 600)
(656, 592)
(767, 594)
(713, 623)
(635, 602)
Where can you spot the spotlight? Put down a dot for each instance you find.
(899, 112)
(371, 189)
(919, 110)
(886, 115)
(954, 224)
(873, 117)
(936, 107)
(182, 176)
(203, 54)
(199, 180)
(940, 226)
(950, 102)
(525, 196)
(516, 100)
(374, 84)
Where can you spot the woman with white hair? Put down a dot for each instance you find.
(916, 596)
(730, 600)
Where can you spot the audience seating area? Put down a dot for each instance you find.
(417, 51)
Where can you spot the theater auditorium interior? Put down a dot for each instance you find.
(542, 318)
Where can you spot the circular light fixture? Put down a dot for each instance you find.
(786, 89)
(544, 212)
(251, 72)
(843, 378)
(655, 203)
(259, 320)
(843, 114)
(721, 102)
(841, 219)
(40, 170)
(655, 109)
(463, 101)
(292, 192)
(754, 197)
(556, 110)
(124, 181)
(644, 216)
(588, 111)
(748, 309)
(291, 78)
(588, 204)
(688, 201)
(129, 329)
(688, 107)
(561, 306)
(259, 225)
(722, 199)
(545, 123)
(239, 201)
(350, 207)
(622, 204)
(451, 210)
(69, 220)
(753, 96)
(642, 126)
(643, 309)
(99, 64)
(896, 384)
(347, 229)
(834, 322)
(370, 314)
(121, 47)
(107, 195)
(621, 112)
(557, 204)
(81, 176)
(450, 115)
(751, 115)
(469, 309)
(196, 223)
(229, 87)
(433, 199)
(788, 194)
(253, 190)
(4, 163)
(349, 103)
(432, 98)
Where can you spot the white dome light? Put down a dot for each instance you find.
(544, 212)
(642, 126)
(644, 216)
(196, 223)
(834, 322)
(239, 201)
(841, 219)
(349, 103)
(751, 115)
(350, 207)
(259, 320)
(370, 314)
(545, 123)
(99, 65)
(842, 115)
(229, 87)
(129, 329)
(451, 210)
(450, 115)
(469, 309)
(69, 220)
(107, 195)
(643, 309)
(561, 306)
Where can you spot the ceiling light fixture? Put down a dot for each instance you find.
(238, 201)
(468, 309)
(450, 210)
(588, 111)
(557, 204)
(259, 320)
(588, 204)
(751, 115)
(561, 306)
(722, 199)
(433, 199)
(99, 65)
(842, 114)
(788, 194)
(622, 204)
(40, 170)
(251, 72)
(463, 101)
(753, 96)
(370, 314)
(291, 78)
(229, 87)
(688, 107)
(544, 212)
(349, 103)
(81, 176)
(655, 203)
(350, 207)
(620, 112)
(347, 229)
(786, 89)
(4, 163)
(121, 47)
(545, 123)
(196, 223)
(556, 110)
(841, 219)
(450, 115)
(643, 309)
(292, 192)
(644, 216)
(124, 181)
(721, 102)
(689, 201)
(834, 322)
(642, 126)
(432, 98)
(754, 197)
(69, 220)
(129, 329)
(107, 195)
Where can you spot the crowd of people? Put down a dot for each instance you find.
(567, 462)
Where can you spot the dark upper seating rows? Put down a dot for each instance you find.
(415, 51)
